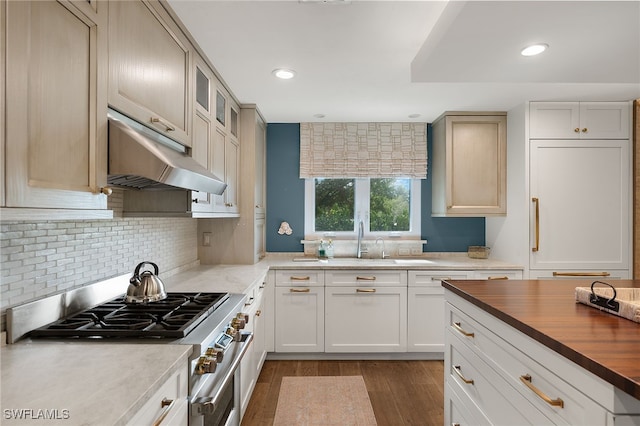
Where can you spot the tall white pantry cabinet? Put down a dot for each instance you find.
(574, 217)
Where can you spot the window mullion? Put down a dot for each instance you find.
(362, 202)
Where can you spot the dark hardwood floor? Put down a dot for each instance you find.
(401, 392)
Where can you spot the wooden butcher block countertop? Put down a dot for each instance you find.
(545, 310)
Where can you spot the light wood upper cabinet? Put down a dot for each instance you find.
(579, 120)
(469, 169)
(203, 133)
(150, 68)
(56, 134)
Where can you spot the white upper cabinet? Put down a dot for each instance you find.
(579, 120)
(150, 68)
(55, 100)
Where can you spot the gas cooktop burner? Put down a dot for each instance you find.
(174, 317)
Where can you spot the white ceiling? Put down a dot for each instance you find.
(384, 60)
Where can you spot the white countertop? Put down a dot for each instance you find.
(238, 278)
(83, 383)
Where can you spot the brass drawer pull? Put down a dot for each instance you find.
(526, 379)
(299, 290)
(440, 278)
(504, 277)
(537, 247)
(365, 290)
(294, 278)
(581, 274)
(457, 326)
(167, 405)
(258, 312)
(456, 368)
(365, 278)
(168, 127)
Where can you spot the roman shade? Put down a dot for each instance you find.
(357, 150)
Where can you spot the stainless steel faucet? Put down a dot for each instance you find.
(383, 255)
(360, 235)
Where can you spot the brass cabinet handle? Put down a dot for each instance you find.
(228, 204)
(456, 368)
(458, 327)
(168, 127)
(537, 247)
(365, 278)
(526, 379)
(504, 277)
(295, 278)
(440, 278)
(106, 191)
(365, 290)
(299, 290)
(258, 312)
(249, 301)
(581, 274)
(577, 130)
(585, 130)
(168, 405)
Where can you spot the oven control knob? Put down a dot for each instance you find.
(205, 365)
(231, 331)
(238, 323)
(215, 353)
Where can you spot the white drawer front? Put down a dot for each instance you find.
(459, 409)
(366, 278)
(434, 278)
(299, 277)
(498, 275)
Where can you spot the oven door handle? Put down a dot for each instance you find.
(207, 404)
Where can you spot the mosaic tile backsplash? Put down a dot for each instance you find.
(42, 258)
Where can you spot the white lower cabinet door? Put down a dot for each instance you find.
(299, 323)
(580, 205)
(366, 319)
(425, 308)
(425, 327)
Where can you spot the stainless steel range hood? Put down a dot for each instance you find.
(141, 158)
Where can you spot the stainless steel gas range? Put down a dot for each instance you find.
(211, 323)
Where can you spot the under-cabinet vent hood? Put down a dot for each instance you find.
(141, 158)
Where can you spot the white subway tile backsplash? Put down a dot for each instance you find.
(43, 258)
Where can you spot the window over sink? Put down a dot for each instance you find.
(388, 207)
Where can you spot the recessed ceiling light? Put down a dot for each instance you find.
(284, 73)
(414, 115)
(319, 115)
(534, 49)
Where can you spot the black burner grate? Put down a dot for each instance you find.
(173, 317)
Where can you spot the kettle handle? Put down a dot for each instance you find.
(135, 279)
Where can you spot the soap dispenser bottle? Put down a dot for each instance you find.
(329, 250)
(322, 252)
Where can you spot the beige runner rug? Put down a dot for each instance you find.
(324, 400)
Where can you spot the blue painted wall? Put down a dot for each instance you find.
(285, 200)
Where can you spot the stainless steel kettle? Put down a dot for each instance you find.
(145, 286)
